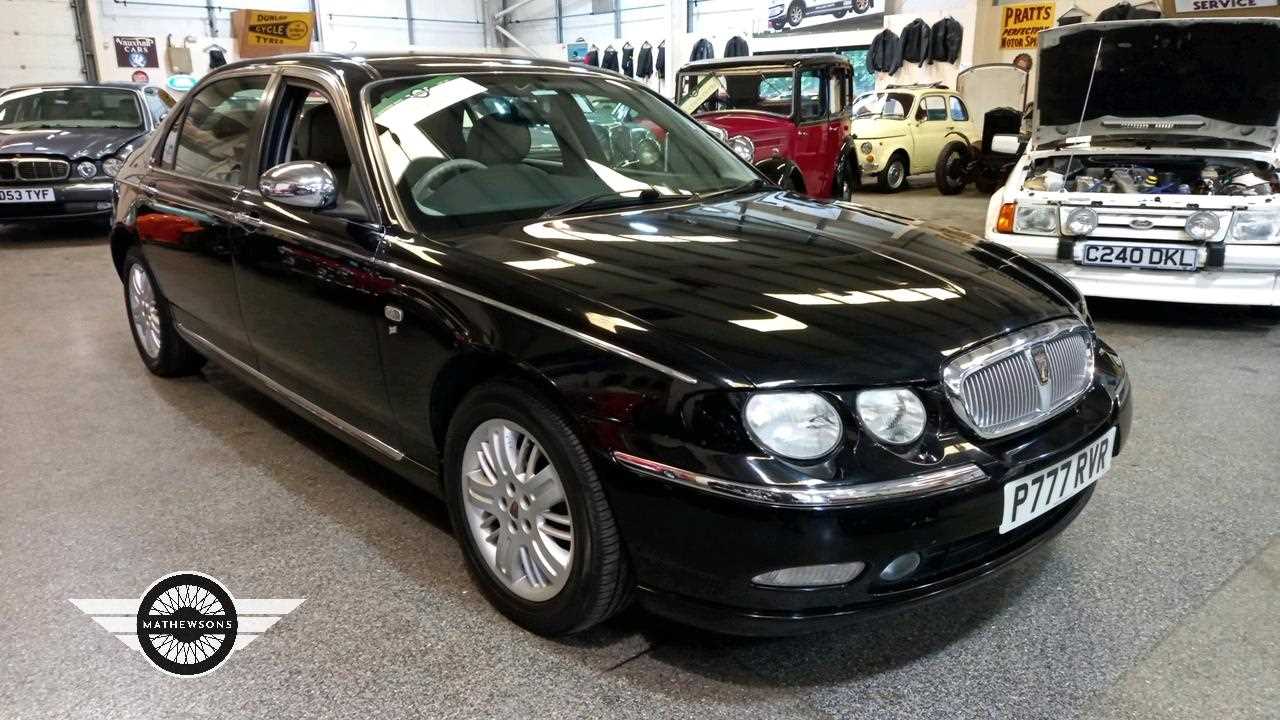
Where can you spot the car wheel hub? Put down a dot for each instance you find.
(895, 174)
(144, 311)
(516, 510)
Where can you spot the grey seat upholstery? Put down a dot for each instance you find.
(319, 138)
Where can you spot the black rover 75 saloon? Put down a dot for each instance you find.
(633, 369)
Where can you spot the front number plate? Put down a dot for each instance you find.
(1029, 497)
(1157, 257)
(26, 195)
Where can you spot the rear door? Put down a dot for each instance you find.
(186, 224)
(312, 296)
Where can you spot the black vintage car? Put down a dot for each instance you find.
(651, 377)
(60, 145)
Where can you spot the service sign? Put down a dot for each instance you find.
(1191, 6)
(136, 52)
(1020, 23)
(261, 33)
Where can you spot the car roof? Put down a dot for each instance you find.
(79, 83)
(795, 60)
(394, 64)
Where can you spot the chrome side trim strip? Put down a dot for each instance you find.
(602, 344)
(813, 497)
(287, 394)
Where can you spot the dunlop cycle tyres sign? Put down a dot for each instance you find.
(260, 33)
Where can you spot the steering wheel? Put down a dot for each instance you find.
(445, 171)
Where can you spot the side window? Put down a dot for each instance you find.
(218, 128)
(155, 106)
(934, 107)
(170, 146)
(812, 106)
(958, 111)
(311, 131)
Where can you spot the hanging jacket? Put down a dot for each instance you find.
(610, 61)
(885, 54)
(915, 42)
(1125, 11)
(592, 58)
(944, 40)
(736, 47)
(628, 62)
(703, 50)
(660, 65)
(217, 59)
(644, 62)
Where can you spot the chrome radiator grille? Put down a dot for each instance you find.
(1021, 379)
(14, 170)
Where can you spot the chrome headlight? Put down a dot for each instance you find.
(1081, 222)
(865, 147)
(742, 146)
(796, 425)
(720, 133)
(1255, 227)
(86, 169)
(1203, 225)
(112, 165)
(1036, 220)
(895, 415)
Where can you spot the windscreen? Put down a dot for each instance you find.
(762, 90)
(1224, 70)
(68, 107)
(471, 149)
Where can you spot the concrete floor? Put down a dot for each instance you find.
(1158, 602)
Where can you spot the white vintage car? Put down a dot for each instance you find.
(1152, 169)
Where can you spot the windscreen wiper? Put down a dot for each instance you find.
(748, 186)
(646, 196)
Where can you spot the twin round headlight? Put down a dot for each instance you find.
(743, 147)
(805, 426)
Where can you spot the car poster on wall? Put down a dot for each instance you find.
(792, 15)
(136, 52)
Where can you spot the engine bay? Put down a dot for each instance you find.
(1152, 175)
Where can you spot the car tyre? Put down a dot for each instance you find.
(848, 181)
(894, 175)
(492, 422)
(161, 348)
(795, 12)
(950, 170)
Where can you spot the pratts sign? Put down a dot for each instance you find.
(1020, 23)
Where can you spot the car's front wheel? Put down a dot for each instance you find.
(795, 13)
(163, 351)
(530, 514)
(894, 175)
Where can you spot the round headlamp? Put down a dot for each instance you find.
(894, 415)
(796, 425)
(112, 165)
(1203, 225)
(742, 146)
(1081, 221)
(865, 147)
(86, 169)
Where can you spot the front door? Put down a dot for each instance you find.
(311, 294)
(185, 223)
(811, 150)
(931, 131)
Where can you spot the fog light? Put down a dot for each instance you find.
(811, 575)
(900, 567)
(1081, 221)
(103, 205)
(1203, 225)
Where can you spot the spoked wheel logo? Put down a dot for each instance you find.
(187, 624)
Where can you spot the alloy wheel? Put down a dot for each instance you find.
(144, 311)
(516, 510)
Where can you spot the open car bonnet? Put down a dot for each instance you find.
(994, 85)
(1163, 79)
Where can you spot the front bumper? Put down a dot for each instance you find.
(81, 199)
(695, 552)
(1247, 275)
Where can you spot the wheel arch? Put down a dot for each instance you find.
(122, 238)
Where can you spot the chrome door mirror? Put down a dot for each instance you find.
(303, 184)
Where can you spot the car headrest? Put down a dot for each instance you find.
(499, 140)
(321, 139)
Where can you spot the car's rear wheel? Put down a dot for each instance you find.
(162, 350)
(951, 169)
(848, 180)
(530, 514)
(894, 175)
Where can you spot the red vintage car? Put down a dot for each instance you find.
(787, 114)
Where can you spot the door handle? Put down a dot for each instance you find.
(247, 220)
